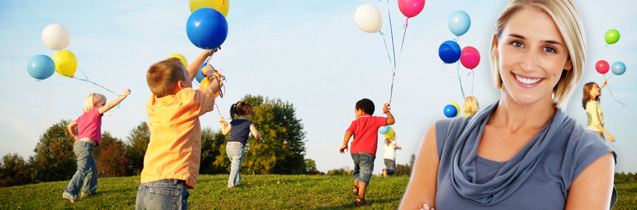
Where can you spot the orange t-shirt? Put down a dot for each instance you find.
(174, 150)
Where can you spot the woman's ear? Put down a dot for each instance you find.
(568, 65)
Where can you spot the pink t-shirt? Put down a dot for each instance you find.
(89, 125)
(365, 131)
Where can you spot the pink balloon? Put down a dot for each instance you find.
(411, 8)
(602, 66)
(470, 57)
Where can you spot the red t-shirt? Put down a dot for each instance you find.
(365, 131)
(89, 125)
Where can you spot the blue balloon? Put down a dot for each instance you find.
(618, 68)
(383, 130)
(450, 111)
(207, 28)
(200, 76)
(41, 67)
(449, 51)
(459, 22)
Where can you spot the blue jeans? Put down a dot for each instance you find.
(235, 152)
(162, 194)
(390, 166)
(86, 173)
(363, 166)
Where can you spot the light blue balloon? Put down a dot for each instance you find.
(459, 22)
(384, 129)
(618, 68)
(41, 67)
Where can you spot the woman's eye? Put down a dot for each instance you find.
(517, 44)
(549, 49)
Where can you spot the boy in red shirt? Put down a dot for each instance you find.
(365, 131)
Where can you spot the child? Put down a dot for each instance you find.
(171, 162)
(365, 131)
(390, 156)
(239, 128)
(470, 106)
(88, 136)
(590, 101)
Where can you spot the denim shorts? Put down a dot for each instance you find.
(162, 194)
(363, 166)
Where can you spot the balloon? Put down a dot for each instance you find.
(41, 67)
(384, 129)
(204, 82)
(451, 110)
(470, 57)
(449, 51)
(207, 28)
(199, 76)
(367, 17)
(181, 57)
(411, 8)
(456, 105)
(65, 63)
(602, 66)
(56, 36)
(612, 36)
(220, 5)
(459, 22)
(618, 68)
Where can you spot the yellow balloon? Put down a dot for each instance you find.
(65, 63)
(205, 82)
(456, 105)
(220, 5)
(389, 133)
(181, 57)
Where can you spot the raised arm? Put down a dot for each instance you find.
(390, 117)
(592, 188)
(114, 103)
(424, 176)
(603, 84)
(194, 67)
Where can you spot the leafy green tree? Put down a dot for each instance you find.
(14, 170)
(211, 144)
(111, 157)
(405, 170)
(138, 139)
(54, 159)
(310, 167)
(282, 151)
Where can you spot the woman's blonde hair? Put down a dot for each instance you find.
(470, 105)
(93, 99)
(568, 22)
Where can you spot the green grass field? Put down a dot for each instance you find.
(256, 191)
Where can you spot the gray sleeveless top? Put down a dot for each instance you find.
(538, 177)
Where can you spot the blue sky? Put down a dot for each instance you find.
(309, 53)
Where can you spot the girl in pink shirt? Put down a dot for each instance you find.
(87, 136)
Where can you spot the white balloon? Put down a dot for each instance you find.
(56, 36)
(368, 18)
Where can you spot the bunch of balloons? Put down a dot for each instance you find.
(387, 131)
(602, 66)
(54, 37)
(450, 52)
(207, 27)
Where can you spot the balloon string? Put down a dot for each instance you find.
(611, 94)
(473, 80)
(391, 92)
(386, 49)
(391, 29)
(86, 80)
(459, 80)
(404, 34)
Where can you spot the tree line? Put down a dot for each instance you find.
(282, 152)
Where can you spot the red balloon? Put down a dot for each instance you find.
(602, 66)
(470, 57)
(411, 8)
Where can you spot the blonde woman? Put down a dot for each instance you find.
(523, 152)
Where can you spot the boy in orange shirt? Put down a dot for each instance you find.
(171, 162)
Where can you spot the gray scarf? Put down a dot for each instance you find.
(513, 173)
